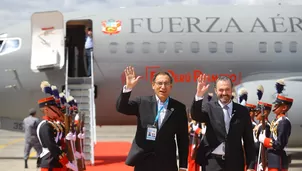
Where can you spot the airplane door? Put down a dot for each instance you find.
(48, 41)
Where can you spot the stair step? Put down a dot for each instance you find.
(87, 156)
(87, 117)
(87, 148)
(83, 106)
(87, 126)
(87, 141)
(82, 99)
(79, 80)
(79, 86)
(80, 93)
(87, 120)
(86, 111)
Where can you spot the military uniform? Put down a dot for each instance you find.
(280, 133)
(196, 131)
(194, 140)
(50, 134)
(251, 108)
(31, 140)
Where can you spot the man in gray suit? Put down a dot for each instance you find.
(31, 140)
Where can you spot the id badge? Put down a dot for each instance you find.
(151, 133)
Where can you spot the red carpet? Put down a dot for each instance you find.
(110, 156)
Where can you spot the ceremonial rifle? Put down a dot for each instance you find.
(68, 131)
(78, 143)
(73, 106)
(82, 138)
(195, 141)
(62, 104)
(260, 91)
(263, 125)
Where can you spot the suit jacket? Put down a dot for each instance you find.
(163, 149)
(240, 128)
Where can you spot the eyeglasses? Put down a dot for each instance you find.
(163, 83)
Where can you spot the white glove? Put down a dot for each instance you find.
(74, 137)
(193, 147)
(259, 167)
(262, 137)
(195, 127)
(203, 129)
(255, 139)
(69, 136)
(78, 155)
(71, 166)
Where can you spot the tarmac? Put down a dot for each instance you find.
(12, 147)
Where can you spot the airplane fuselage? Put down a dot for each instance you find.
(252, 45)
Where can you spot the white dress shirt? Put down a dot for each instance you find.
(227, 113)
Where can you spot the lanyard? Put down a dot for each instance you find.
(158, 112)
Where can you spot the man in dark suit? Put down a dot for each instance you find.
(229, 128)
(159, 119)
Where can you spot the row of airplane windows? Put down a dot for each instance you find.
(195, 47)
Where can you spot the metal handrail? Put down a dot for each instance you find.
(66, 73)
(92, 108)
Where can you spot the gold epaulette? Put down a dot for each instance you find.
(59, 126)
(54, 125)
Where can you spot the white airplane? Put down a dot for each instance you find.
(252, 45)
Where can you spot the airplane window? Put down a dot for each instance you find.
(293, 47)
(113, 47)
(262, 47)
(130, 47)
(10, 45)
(278, 47)
(1, 41)
(178, 47)
(146, 47)
(229, 47)
(162, 47)
(195, 47)
(213, 47)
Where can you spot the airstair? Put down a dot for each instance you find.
(82, 89)
(49, 41)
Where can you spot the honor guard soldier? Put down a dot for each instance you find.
(258, 128)
(194, 130)
(261, 114)
(252, 109)
(52, 156)
(266, 110)
(280, 133)
(243, 96)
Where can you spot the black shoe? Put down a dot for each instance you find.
(38, 162)
(26, 166)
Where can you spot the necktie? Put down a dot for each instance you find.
(161, 115)
(227, 118)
